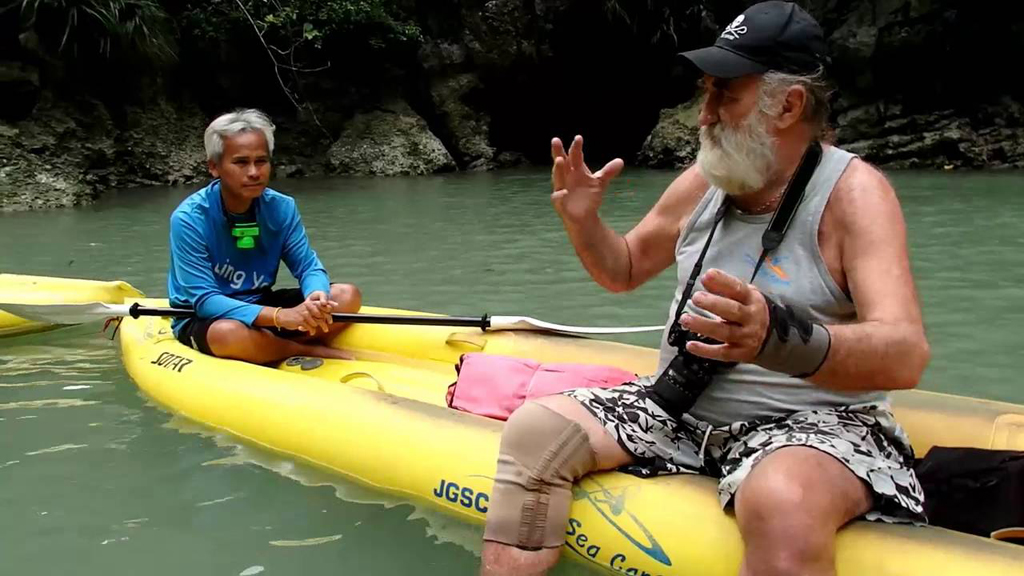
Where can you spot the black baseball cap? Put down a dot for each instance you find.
(774, 35)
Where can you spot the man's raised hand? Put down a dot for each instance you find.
(578, 192)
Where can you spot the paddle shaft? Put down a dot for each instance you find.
(68, 314)
(483, 322)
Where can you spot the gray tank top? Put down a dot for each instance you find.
(795, 272)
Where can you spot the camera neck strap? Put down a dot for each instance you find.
(773, 234)
(791, 198)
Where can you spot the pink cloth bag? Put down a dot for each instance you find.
(494, 386)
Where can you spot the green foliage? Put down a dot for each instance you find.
(82, 28)
(353, 39)
(285, 24)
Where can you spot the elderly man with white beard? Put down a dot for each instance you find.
(795, 314)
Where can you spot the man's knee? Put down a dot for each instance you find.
(348, 296)
(804, 481)
(224, 337)
(790, 507)
(780, 528)
(771, 496)
(542, 453)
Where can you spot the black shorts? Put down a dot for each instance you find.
(193, 331)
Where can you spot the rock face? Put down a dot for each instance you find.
(881, 132)
(176, 157)
(920, 83)
(389, 142)
(904, 100)
(467, 129)
(67, 154)
(904, 72)
(990, 138)
(675, 140)
(28, 182)
(31, 177)
(476, 50)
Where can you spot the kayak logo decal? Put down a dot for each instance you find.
(171, 361)
(610, 504)
(613, 508)
(462, 495)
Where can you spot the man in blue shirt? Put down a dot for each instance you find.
(227, 242)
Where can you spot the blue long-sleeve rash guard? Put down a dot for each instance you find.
(220, 280)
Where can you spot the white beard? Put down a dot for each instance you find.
(740, 159)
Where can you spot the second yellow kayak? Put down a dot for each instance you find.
(23, 289)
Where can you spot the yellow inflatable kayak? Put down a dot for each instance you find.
(22, 289)
(382, 421)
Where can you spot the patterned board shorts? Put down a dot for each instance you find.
(864, 437)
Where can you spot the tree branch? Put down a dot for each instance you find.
(278, 66)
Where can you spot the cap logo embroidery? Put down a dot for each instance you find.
(734, 31)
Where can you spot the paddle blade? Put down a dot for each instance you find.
(65, 314)
(527, 323)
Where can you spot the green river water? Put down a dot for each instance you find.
(95, 480)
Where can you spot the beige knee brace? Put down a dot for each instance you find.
(542, 453)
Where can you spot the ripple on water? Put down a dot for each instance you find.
(306, 541)
(65, 384)
(441, 526)
(218, 500)
(49, 403)
(53, 449)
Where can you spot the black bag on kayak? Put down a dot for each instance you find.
(974, 490)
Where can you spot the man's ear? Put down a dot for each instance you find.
(792, 107)
(212, 167)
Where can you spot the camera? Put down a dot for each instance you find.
(687, 375)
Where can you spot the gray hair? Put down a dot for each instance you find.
(236, 122)
(816, 112)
